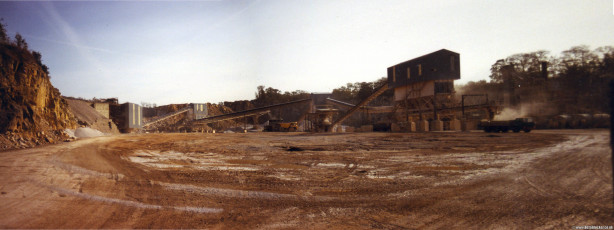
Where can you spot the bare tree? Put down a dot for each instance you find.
(526, 67)
(579, 56)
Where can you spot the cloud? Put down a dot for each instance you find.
(73, 37)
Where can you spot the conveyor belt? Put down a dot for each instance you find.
(248, 112)
(368, 109)
(349, 113)
(167, 116)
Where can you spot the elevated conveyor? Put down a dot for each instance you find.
(349, 113)
(167, 116)
(367, 109)
(339, 103)
(249, 112)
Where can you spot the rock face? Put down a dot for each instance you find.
(29, 104)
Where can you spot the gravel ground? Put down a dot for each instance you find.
(542, 179)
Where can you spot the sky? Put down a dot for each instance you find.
(212, 51)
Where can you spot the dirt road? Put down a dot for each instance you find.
(545, 179)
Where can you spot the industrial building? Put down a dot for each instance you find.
(424, 89)
(424, 100)
(425, 76)
(199, 110)
(128, 117)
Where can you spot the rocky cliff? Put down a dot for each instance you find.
(31, 109)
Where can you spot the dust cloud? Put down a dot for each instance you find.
(525, 110)
(509, 114)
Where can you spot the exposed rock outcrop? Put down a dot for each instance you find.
(31, 109)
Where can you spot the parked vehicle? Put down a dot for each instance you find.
(278, 125)
(525, 124)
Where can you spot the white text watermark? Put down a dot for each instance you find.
(592, 227)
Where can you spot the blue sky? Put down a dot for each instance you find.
(211, 51)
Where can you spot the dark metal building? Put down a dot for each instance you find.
(424, 86)
(439, 65)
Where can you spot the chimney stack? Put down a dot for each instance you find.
(545, 70)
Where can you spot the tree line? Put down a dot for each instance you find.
(573, 82)
(270, 96)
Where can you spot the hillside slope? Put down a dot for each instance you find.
(87, 116)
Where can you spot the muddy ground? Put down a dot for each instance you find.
(543, 179)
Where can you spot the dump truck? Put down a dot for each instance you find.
(278, 125)
(525, 124)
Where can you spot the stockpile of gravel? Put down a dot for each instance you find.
(89, 117)
(83, 133)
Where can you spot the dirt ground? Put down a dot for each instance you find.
(542, 179)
